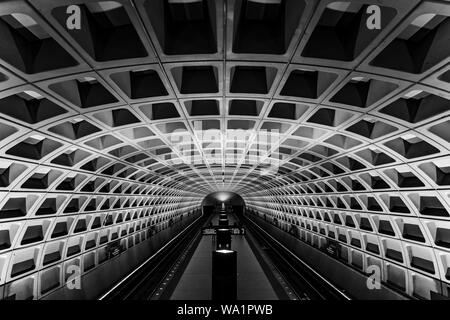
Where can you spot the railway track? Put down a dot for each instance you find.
(303, 279)
(145, 280)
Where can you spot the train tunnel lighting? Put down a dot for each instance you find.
(223, 196)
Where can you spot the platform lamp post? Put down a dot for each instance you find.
(224, 275)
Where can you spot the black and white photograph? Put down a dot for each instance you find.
(224, 158)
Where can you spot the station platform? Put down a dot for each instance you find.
(252, 283)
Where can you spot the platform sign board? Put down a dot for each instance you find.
(208, 231)
(213, 231)
(113, 249)
(333, 248)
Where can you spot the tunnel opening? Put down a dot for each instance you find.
(229, 200)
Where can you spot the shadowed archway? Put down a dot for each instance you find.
(231, 200)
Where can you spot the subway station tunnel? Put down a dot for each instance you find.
(329, 120)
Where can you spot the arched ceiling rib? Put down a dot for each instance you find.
(152, 105)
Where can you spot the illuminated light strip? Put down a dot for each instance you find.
(303, 263)
(146, 261)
